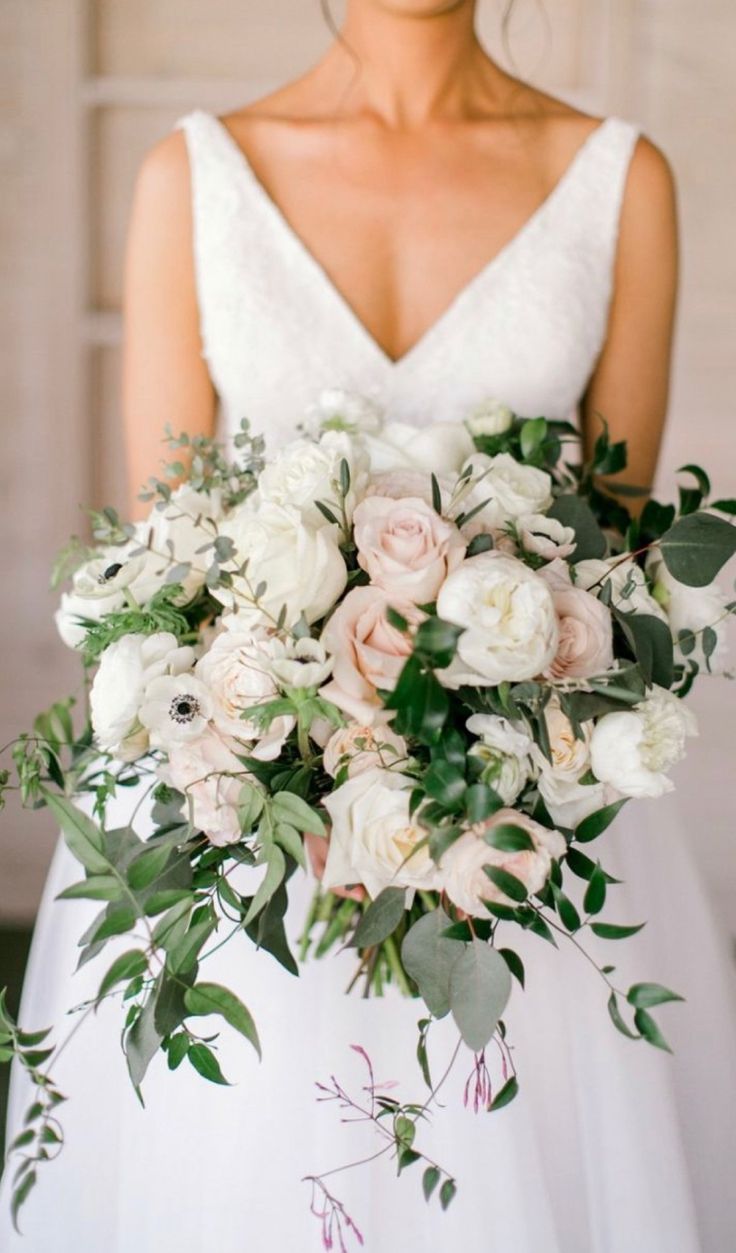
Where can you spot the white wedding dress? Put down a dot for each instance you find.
(612, 1146)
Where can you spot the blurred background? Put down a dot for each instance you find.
(87, 86)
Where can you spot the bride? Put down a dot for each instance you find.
(409, 221)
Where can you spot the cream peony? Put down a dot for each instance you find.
(211, 778)
(508, 612)
(127, 668)
(461, 866)
(490, 417)
(633, 750)
(504, 749)
(439, 447)
(237, 671)
(301, 566)
(358, 748)
(373, 838)
(586, 630)
(367, 652)
(405, 547)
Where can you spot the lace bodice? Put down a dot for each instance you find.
(527, 329)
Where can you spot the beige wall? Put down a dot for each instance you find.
(87, 85)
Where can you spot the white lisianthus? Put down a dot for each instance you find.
(513, 490)
(373, 839)
(302, 567)
(504, 749)
(692, 610)
(509, 618)
(490, 417)
(629, 590)
(175, 708)
(339, 410)
(303, 472)
(237, 671)
(211, 778)
(633, 749)
(360, 748)
(546, 537)
(439, 447)
(302, 664)
(126, 669)
(462, 865)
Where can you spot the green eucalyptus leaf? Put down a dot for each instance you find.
(429, 957)
(381, 918)
(575, 512)
(696, 547)
(480, 986)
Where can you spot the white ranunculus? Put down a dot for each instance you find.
(359, 748)
(462, 865)
(175, 708)
(504, 750)
(211, 778)
(546, 537)
(303, 472)
(336, 409)
(373, 837)
(301, 566)
(439, 448)
(629, 590)
(513, 489)
(632, 750)
(237, 671)
(691, 609)
(509, 617)
(126, 669)
(490, 417)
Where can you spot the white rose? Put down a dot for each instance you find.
(629, 590)
(509, 615)
(440, 447)
(211, 778)
(303, 472)
(126, 668)
(238, 674)
(546, 537)
(173, 535)
(513, 489)
(505, 751)
(359, 748)
(632, 750)
(373, 838)
(339, 410)
(302, 568)
(462, 865)
(490, 417)
(691, 609)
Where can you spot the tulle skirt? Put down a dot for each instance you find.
(611, 1147)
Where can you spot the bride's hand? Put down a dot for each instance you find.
(316, 846)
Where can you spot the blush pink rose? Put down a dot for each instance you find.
(405, 547)
(586, 632)
(368, 653)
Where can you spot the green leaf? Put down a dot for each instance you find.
(275, 871)
(381, 918)
(700, 476)
(437, 640)
(97, 888)
(127, 966)
(429, 957)
(430, 1179)
(211, 998)
(447, 1192)
(650, 1030)
(250, 806)
(594, 825)
(289, 808)
(595, 894)
(617, 1019)
(147, 866)
(645, 995)
(83, 837)
(509, 1090)
(696, 547)
(183, 954)
(565, 908)
(533, 433)
(20, 1196)
(480, 986)
(650, 640)
(509, 838)
(407, 1157)
(206, 1064)
(116, 922)
(142, 1041)
(177, 1049)
(291, 842)
(575, 512)
(514, 963)
(507, 883)
(481, 802)
(445, 783)
(611, 931)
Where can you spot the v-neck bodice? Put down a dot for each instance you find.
(527, 328)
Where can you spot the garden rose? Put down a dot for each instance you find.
(237, 672)
(513, 489)
(461, 866)
(211, 778)
(508, 612)
(633, 749)
(304, 472)
(368, 653)
(585, 645)
(405, 547)
(127, 668)
(373, 838)
(359, 748)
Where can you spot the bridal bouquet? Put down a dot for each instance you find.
(429, 665)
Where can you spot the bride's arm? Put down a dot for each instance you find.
(165, 379)
(630, 386)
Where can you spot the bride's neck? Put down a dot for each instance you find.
(413, 68)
